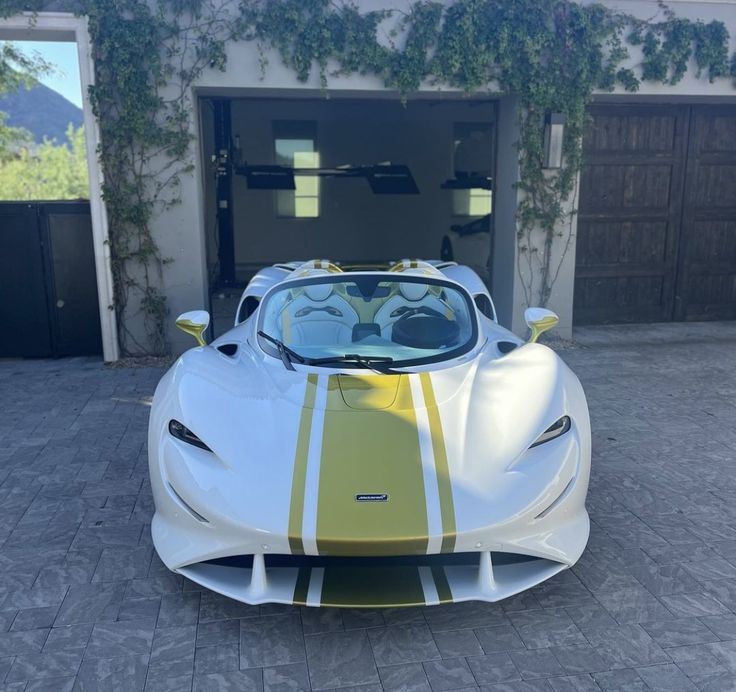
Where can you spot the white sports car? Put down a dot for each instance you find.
(369, 437)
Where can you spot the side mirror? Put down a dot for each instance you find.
(194, 322)
(539, 320)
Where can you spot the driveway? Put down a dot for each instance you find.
(85, 603)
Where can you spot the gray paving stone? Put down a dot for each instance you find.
(457, 616)
(693, 605)
(91, 603)
(493, 668)
(632, 605)
(216, 659)
(666, 678)
(35, 618)
(413, 615)
(36, 597)
(501, 638)
(173, 644)
(57, 664)
(679, 632)
(340, 659)
(154, 585)
(213, 606)
(725, 652)
(519, 686)
(318, 620)
(293, 677)
(5, 664)
(140, 609)
(407, 677)
(271, 641)
(627, 646)
(715, 568)
(541, 629)
(579, 659)
(162, 678)
(362, 618)
(218, 632)
(455, 643)
(68, 638)
(124, 638)
(540, 663)
(574, 683)
(112, 674)
(25, 642)
(698, 662)
(117, 564)
(237, 681)
(178, 609)
(724, 626)
(402, 644)
(624, 680)
(65, 684)
(448, 674)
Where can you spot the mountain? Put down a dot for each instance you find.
(41, 111)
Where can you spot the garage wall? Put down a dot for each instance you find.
(186, 286)
(354, 224)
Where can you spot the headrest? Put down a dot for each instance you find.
(413, 291)
(318, 292)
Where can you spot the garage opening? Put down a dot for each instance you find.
(657, 215)
(356, 181)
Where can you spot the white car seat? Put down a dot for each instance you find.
(318, 315)
(410, 295)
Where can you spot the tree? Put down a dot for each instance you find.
(47, 171)
(17, 70)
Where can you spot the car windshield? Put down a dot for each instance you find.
(402, 320)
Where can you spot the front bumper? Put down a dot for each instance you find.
(372, 582)
(255, 566)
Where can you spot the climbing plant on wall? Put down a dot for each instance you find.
(551, 54)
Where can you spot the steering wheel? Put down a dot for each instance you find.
(405, 312)
(430, 329)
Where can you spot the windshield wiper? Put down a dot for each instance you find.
(369, 362)
(285, 353)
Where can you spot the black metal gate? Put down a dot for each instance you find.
(48, 285)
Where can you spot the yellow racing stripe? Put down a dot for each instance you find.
(444, 483)
(296, 507)
(372, 586)
(371, 450)
(441, 583)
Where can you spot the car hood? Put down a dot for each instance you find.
(346, 462)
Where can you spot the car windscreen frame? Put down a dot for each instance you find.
(394, 277)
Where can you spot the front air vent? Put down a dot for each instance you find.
(228, 349)
(506, 346)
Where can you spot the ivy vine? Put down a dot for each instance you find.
(551, 54)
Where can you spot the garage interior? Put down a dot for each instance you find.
(356, 181)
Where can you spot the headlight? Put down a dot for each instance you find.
(181, 432)
(554, 431)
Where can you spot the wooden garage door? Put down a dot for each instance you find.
(706, 287)
(657, 215)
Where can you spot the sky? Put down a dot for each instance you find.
(65, 76)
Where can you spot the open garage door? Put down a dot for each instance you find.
(356, 181)
(657, 215)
